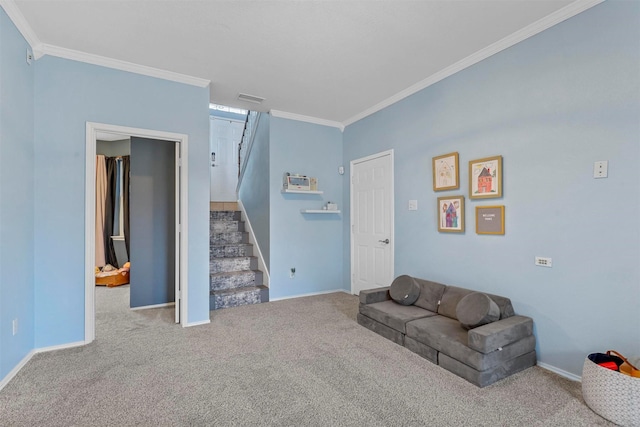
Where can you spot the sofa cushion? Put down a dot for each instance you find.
(452, 296)
(430, 294)
(371, 296)
(394, 315)
(450, 299)
(488, 376)
(447, 336)
(476, 309)
(404, 290)
(487, 338)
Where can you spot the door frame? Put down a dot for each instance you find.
(390, 155)
(181, 226)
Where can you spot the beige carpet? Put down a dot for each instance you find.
(299, 362)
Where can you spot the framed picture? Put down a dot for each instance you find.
(485, 178)
(446, 175)
(490, 219)
(451, 214)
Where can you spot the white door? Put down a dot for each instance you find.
(372, 222)
(225, 136)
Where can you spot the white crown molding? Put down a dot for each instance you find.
(505, 43)
(23, 26)
(40, 49)
(117, 64)
(308, 119)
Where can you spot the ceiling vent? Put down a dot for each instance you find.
(250, 98)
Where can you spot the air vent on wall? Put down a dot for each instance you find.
(250, 98)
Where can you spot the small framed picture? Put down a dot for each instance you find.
(451, 214)
(446, 175)
(485, 178)
(490, 219)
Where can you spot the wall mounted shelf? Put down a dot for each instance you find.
(318, 211)
(301, 192)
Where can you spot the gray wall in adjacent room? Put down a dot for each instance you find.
(152, 222)
(121, 147)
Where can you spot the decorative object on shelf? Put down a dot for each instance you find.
(489, 219)
(446, 173)
(298, 182)
(485, 178)
(451, 214)
(313, 182)
(332, 206)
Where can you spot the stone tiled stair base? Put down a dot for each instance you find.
(237, 297)
(230, 250)
(234, 278)
(220, 265)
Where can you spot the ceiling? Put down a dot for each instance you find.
(333, 61)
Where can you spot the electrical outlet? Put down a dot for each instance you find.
(543, 262)
(29, 56)
(601, 169)
(292, 273)
(15, 326)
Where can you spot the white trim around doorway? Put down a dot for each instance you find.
(92, 130)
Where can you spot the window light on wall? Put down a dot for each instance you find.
(227, 109)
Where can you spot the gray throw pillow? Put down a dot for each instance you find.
(477, 309)
(404, 290)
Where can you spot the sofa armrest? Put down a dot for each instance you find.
(371, 296)
(490, 337)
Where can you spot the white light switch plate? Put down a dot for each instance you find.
(413, 205)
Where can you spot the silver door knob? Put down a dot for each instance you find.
(384, 241)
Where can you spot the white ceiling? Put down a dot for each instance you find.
(335, 61)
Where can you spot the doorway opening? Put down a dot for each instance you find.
(181, 215)
(226, 129)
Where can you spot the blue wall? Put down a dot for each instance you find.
(69, 94)
(254, 188)
(551, 106)
(310, 243)
(16, 197)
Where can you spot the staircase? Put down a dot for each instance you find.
(234, 278)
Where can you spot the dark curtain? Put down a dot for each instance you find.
(110, 204)
(126, 168)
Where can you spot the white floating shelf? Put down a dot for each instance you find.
(301, 191)
(318, 211)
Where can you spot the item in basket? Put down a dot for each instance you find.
(609, 365)
(626, 367)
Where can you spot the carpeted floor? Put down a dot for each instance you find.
(299, 362)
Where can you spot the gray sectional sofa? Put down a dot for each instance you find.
(476, 336)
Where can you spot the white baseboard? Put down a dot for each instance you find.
(60, 347)
(202, 322)
(311, 294)
(144, 307)
(16, 369)
(560, 372)
(32, 353)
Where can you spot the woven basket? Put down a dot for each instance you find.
(610, 394)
